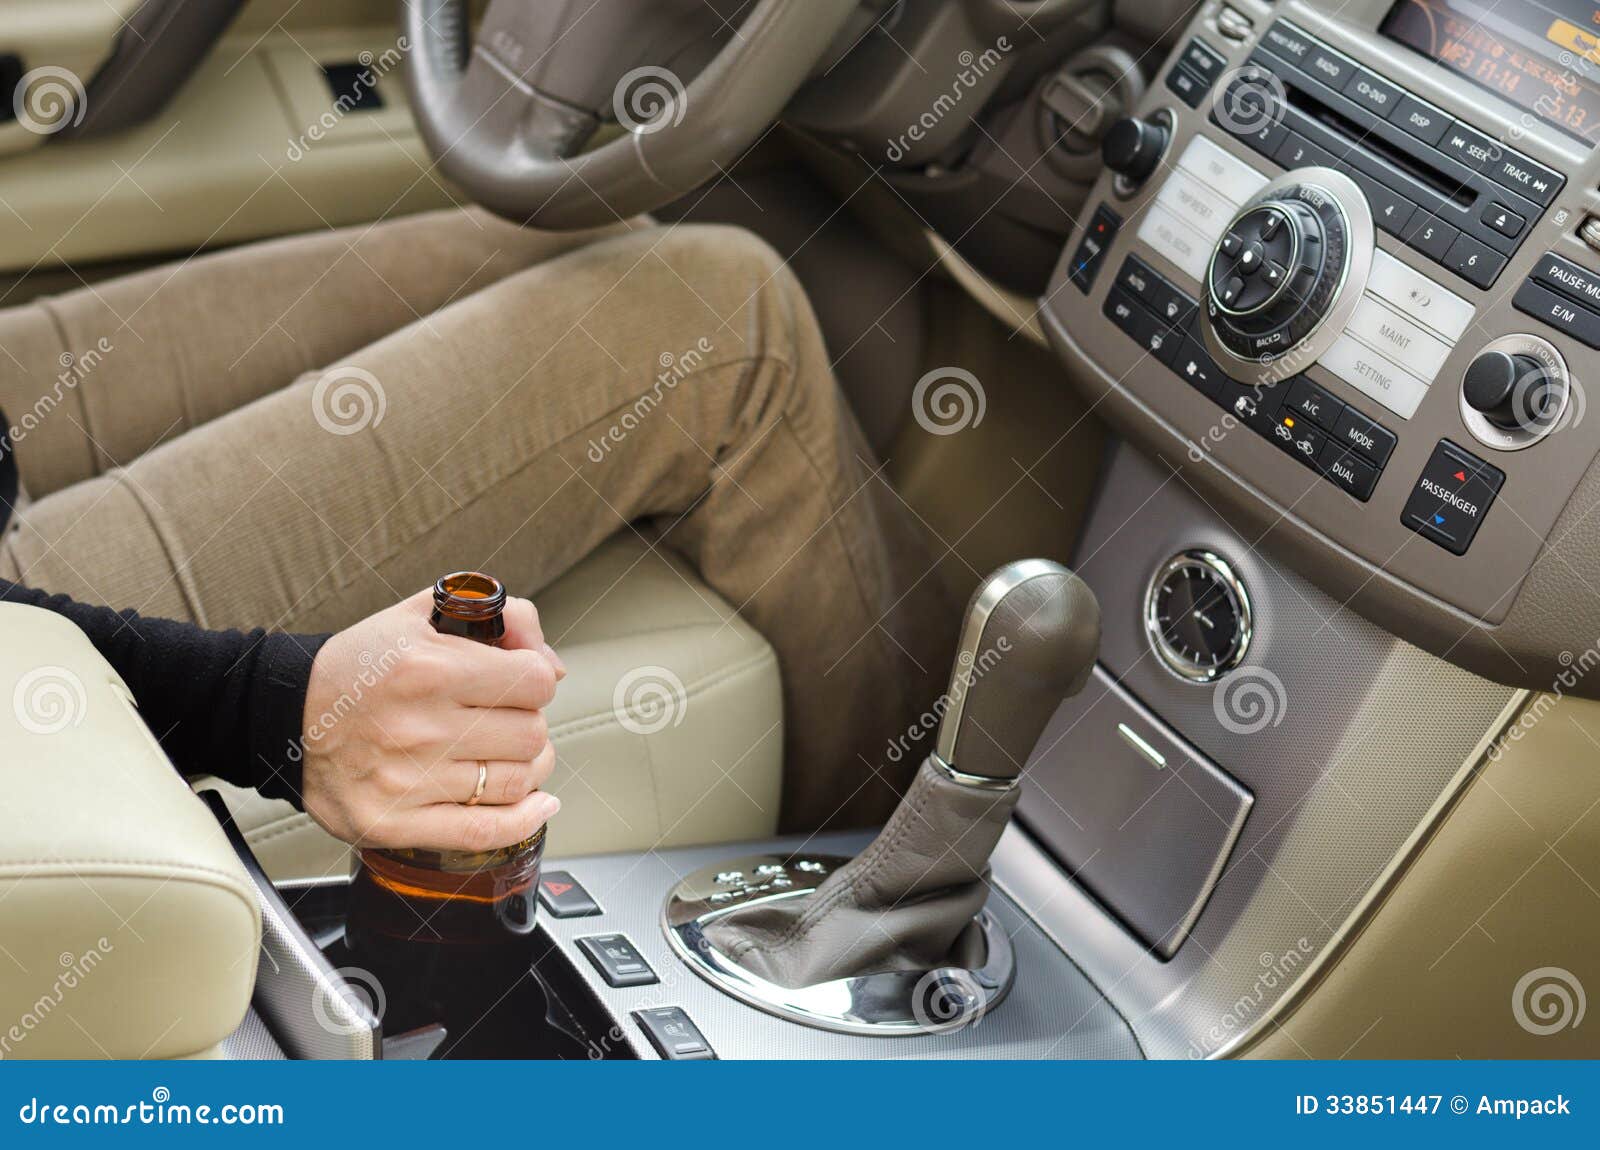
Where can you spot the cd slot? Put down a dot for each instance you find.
(1455, 191)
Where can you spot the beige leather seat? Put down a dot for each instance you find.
(668, 726)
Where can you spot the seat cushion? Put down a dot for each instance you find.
(668, 727)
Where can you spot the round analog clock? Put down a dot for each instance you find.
(1197, 616)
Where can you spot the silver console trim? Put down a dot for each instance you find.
(980, 782)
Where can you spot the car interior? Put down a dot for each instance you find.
(1233, 355)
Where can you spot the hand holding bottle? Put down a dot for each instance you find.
(399, 718)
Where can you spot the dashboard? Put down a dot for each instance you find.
(1338, 282)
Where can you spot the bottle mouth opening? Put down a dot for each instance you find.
(470, 595)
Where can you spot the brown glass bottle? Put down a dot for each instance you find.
(449, 934)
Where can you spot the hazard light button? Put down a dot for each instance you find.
(1451, 497)
(564, 897)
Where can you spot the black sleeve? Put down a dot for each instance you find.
(226, 703)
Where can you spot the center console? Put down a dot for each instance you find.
(1341, 282)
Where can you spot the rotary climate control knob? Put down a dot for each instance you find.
(1513, 392)
(1294, 257)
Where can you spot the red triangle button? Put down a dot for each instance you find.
(1461, 476)
(557, 889)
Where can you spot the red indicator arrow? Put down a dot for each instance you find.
(1461, 476)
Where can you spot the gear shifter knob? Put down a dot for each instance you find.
(1030, 640)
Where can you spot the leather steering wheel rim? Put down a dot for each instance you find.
(514, 148)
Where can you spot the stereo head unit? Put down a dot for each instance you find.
(1350, 300)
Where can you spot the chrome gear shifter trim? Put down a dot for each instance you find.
(895, 1002)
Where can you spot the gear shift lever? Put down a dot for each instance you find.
(852, 945)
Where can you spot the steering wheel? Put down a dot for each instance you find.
(508, 116)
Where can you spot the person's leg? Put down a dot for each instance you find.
(676, 376)
(95, 377)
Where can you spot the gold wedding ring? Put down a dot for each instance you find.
(483, 779)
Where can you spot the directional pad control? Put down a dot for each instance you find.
(1275, 271)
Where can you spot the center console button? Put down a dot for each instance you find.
(1473, 262)
(1452, 495)
(564, 897)
(1184, 247)
(1354, 430)
(1332, 70)
(1195, 204)
(1503, 220)
(675, 1037)
(1255, 407)
(1200, 59)
(1297, 437)
(1348, 470)
(1371, 92)
(1418, 119)
(1311, 402)
(1429, 235)
(1284, 41)
(1231, 178)
(1149, 332)
(1374, 376)
(1390, 210)
(1163, 300)
(1569, 278)
(1299, 152)
(1470, 147)
(1377, 325)
(1559, 312)
(1411, 293)
(1198, 369)
(1535, 181)
(617, 959)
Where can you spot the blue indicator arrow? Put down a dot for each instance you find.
(1437, 518)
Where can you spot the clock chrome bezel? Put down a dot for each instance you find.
(1174, 661)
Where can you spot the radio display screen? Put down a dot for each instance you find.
(1544, 57)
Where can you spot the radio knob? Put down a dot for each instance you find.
(1511, 391)
(1132, 147)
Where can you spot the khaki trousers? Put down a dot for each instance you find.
(299, 433)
